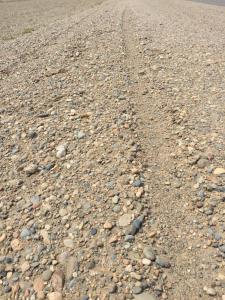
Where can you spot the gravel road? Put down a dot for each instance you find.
(112, 169)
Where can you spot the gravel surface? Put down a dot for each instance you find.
(112, 169)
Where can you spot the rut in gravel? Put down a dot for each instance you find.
(170, 208)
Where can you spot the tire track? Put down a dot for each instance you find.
(169, 206)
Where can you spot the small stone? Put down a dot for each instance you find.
(129, 238)
(137, 183)
(141, 72)
(55, 296)
(25, 266)
(140, 192)
(80, 135)
(144, 296)
(149, 253)
(63, 212)
(2, 237)
(202, 163)
(137, 290)
(91, 265)
(25, 233)
(163, 262)
(45, 236)
(46, 275)
(85, 298)
(32, 134)
(35, 200)
(68, 243)
(107, 225)
(209, 291)
(136, 225)
(115, 200)
(31, 169)
(61, 151)
(38, 284)
(57, 280)
(7, 289)
(93, 231)
(70, 267)
(113, 288)
(125, 220)
(219, 171)
(146, 262)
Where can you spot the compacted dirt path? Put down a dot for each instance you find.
(112, 170)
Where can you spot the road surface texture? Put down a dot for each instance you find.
(112, 139)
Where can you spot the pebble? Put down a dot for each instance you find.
(210, 291)
(137, 183)
(68, 243)
(202, 163)
(25, 233)
(7, 289)
(25, 266)
(55, 296)
(112, 288)
(60, 151)
(137, 290)
(115, 200)
(46, 275)
(144, 296)
(162, 262)
(57, 280)
(129, 238)
(31, 169)
(107, 225)
(219, 171)
(149, 253)
(125, 220)
(81, 135)
(146, 262)
(136, 225)
(93, 231)
(38, 285)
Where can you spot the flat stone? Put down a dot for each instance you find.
(68, 243)
(219, 171)
(137, 290)
(125, 220)
(144, 296)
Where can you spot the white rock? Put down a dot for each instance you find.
(61, 151)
